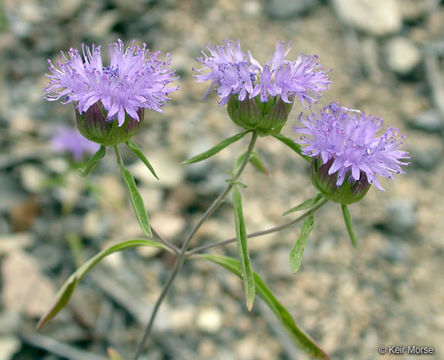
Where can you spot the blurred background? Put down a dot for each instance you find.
(387, 58)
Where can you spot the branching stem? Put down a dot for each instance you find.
(182, 255)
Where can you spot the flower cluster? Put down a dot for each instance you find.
(135, 79)
(348, 141)
(69, 140)
(232, 72)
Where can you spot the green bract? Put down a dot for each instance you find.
(267, 118)
(349, 192)
(94, 125)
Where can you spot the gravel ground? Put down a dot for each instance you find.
(387, 59)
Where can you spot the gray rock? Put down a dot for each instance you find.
(401, 216)
(10, 192)
(429, 121)
(286, 9)
(402, 55)
(9, 345)
(376, 17)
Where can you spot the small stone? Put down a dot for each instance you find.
(9, 346)
(10, 192)
(181, 318)
(286, 9)
(429, 121)
(12, 242)
(210, 320)
(413, 10)
(168, 225)
(32, 178)
(401, 216)
(376, 17)
(402, 55)
(426, 151)
(25, 288)
(168, 168)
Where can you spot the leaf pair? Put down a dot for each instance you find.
(68, 287)
(302, 340)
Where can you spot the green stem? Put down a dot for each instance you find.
(259, 233)
(183, 250)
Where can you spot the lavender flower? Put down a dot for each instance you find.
(68, 140)
(347, 141)
(232, 72)
(135, 79)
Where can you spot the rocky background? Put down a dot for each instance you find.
(387, 58)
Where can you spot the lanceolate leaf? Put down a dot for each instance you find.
(66, 291)
(92, 162)
(292, 145)
(137, 202)
(301, 339)
(242, 246)
(254, 160)
(215, 149)
(136, 150)
(298, 250)
(306, 204)
(349, 225)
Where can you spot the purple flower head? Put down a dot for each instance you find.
(69, 140)
(134, 79)
(348, 140)
(232, 72)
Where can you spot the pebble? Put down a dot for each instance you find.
(429, 121)
(209, 320)
(401, 216)
(426, 151)
(168, 224)
(25, 288)
(9, 345)
(168, 168)
(376, 17)
(10, 192)
(402, 55)
(287, 9)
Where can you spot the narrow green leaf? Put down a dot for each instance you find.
(254, 160)
(137, 202)
(215, 149)
(292, 145)
(136, 150)
(349, 225)
(68, 287)
(257, 162)
(242, 246)
(298, 250)
(92, 162)
(301, 339)
(307, 204)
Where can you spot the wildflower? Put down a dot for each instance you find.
(69, 140)
(253, 92)
(109, 100)
(233, 73)
(347, 152)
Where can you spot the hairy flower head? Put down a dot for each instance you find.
(232, 72)
(134, 79)
(348, 141)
